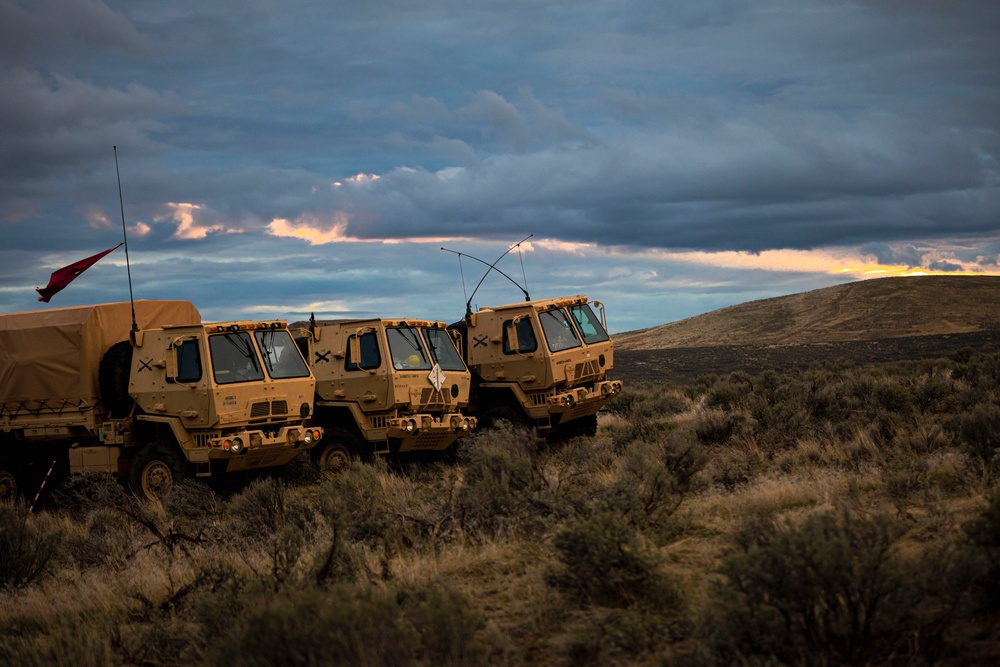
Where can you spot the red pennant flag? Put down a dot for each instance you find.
(64, 276)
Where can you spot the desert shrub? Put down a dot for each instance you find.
(313, 627)
(604, 562)
(983, 533)
(360, 499)
(502, 484)
(733, 467)
(59, 640)
(267, 516)
(431, 624)
(729, 393)
(28, 549)
(648, 414)
(904, 474)
(831, 590)
(979, 431)
(718, 427)
(625, 403)
(107, 542)
(616, 636)
(924, 438)
(655, 477)
(894, 397)
(445, 623)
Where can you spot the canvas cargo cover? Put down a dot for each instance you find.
(49, 359)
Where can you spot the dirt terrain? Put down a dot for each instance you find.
(865, 310)
(872, 321)
(683, 364)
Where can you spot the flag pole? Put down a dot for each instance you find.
(128, 267)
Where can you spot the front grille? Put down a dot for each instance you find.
(587, 369)
(378, 421)
(542, 398)
(433, 399)
(201, 439)
(264, 409)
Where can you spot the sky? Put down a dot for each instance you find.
(666, 158)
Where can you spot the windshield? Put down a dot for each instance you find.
(281, 357)
(407, 349)
(234, 358)
(588, 324)
(443, 350)
(558, 332)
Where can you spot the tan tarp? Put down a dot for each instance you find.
(49, 359)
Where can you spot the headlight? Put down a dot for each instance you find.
(569, 401)
(308, 437)
(411, 426)
(236, 445)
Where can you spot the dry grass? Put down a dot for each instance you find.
(464, 563)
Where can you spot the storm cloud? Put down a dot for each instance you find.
(666, 157)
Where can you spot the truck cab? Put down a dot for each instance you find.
(386, 386)
(543, 363)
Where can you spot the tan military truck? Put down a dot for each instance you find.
(386, 386)
(541, 363)
(149, 393)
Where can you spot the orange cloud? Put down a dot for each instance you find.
(187, 227)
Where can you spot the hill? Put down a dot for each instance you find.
(866, 310)
(873, 321)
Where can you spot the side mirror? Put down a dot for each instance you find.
(600, 309)
(510, 331)
(354, 348)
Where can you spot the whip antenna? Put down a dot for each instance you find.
(520, 256)
(128, 266)
(492, 267)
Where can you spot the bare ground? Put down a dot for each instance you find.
(684, 364)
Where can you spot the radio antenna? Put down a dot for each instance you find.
(492, 267)
(128, 266)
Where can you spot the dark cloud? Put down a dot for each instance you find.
(673, 126)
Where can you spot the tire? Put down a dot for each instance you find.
(9, 491)
(154, 471)
(334, 452)
(112, 379)
(502, 413)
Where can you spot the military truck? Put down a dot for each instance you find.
(386, 386)
(148, 393)
(541, 363)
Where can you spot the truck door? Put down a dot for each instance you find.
(366, 370)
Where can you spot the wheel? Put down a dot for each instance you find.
(334, 452)
(154, 471)
(8, 487)
(492, 416)
(112, 379)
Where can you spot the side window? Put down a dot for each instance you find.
(526, 341)
(370, 356)
(188, 362)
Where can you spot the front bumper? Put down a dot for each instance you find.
(583, 401)
(424, 432)
(251, 449)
